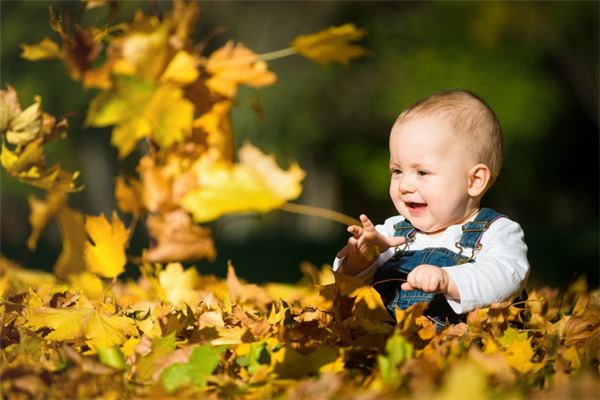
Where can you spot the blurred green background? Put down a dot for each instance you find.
(535, 63)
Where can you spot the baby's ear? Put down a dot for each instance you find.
(479, 177)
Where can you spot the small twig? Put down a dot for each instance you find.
(131, 228)
(388, 280)
(320, 213)
(528, 301)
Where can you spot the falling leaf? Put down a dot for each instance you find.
(141, 109)
(43, 212)
(217, 124)
(181, 69)
(331, 44)
(72, 231)
(26, 126)
(27, 165)
(105, 254)
(9, 107)
(233, 65)
(179, 239)
(46, 49)
(128, 195)
(255, 184)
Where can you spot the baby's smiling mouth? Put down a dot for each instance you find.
(415, 206)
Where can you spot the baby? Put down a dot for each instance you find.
(443, 248)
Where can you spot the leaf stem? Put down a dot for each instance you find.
(320, 212)
(272, 55)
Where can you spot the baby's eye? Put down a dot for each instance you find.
(422, 172)
(395, 171)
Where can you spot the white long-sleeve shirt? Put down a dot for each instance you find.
(499, 272)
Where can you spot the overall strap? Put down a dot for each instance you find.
(473, 231)
(405, 229)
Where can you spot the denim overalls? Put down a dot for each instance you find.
(387, 278)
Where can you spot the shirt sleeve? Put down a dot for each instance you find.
(500, 270)
(386, 229)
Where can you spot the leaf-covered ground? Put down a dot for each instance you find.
(177, 334)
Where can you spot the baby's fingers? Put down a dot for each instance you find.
(367, 224)
(394, 241)
(355, 231)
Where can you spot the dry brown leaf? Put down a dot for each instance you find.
(179, 239)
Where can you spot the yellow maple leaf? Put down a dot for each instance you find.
(141, 109)
(105, 255)
(89, 283)
(27, 165)
(233, 65)
(179, 285)
(181, 69)
(255, 184)
(43, 212)
(128, 194)
(101, 329)
(331, 44)
(72, 231)
(217, 124)
(518, 355)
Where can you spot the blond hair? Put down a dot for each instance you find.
(473, 122)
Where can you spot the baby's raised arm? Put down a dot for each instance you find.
(364, 246)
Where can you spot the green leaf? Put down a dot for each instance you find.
(203, 360)
(510, 335)
(397, 351)
(257, 356)
(161, 346)
(112, 357)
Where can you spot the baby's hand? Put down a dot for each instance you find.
(367, 242)
(427, 278)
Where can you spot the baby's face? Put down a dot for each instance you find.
(430, 169)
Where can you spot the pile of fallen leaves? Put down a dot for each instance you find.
(174, 333)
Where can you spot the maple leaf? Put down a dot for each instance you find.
(44, 50)
(101, 329)
(25, 126)
(78, 49)
(518, 355)
(233, 65)
(397, 351)
(43, 212)
(368, 304)
(203, 360)
(141, 109)
(331, 44)
(179, 285)
(27, 165)
(72, 231)
(105, 255)
(289, 363)
(217, 124)
(178, 238)
(255, 184)
(128, 194)
(181, 69)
